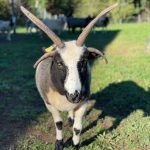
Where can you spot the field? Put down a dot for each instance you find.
(118, 117)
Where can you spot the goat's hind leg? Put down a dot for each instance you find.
(8, 35)
(77, 126)
(59, 125)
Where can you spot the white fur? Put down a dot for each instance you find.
(57, 118)
(60, 102)
(71, 55)
(70, 114)
(78, 123)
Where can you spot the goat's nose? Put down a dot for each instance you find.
(75, 95)
(74, 98)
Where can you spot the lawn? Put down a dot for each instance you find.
(118, 117)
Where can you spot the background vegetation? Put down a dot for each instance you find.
(4, 9)
(79, 8)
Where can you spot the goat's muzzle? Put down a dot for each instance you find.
(73, 98)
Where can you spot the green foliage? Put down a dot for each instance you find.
(33, 144)
(86, 8)
(58, 6)
(35, 6)
(34, 3)
(4, 9)
(124, 11)
(78, 8)
(82, 8)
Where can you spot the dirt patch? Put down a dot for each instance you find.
(48, 137)
(108, 122)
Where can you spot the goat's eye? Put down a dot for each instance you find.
(60, 65)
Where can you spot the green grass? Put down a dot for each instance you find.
(120, 93)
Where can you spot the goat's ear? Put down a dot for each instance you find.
(46, 55)
(95, 53)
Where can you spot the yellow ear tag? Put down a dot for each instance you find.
(49, 49)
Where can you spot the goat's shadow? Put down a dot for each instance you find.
(118, 100)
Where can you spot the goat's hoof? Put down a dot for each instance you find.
(70, 122)
(76, 147)
(59, 145)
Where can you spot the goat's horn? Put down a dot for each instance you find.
(43, 27)
(82, 37)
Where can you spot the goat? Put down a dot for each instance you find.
(73, 23)
(31, 27)
(5, 26)
(63, 77)
(103, 22)
(56, 25)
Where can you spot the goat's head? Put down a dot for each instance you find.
(69, 69)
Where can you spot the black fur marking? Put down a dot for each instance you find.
(84, 76)
(77, 131)
(82, 66)
(59, 125)
(70, 121)
(59, 145)
(76, 147)
(58, 73)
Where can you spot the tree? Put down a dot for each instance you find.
(4, 10)
(137, 3)
(62, 6)
(83, 8)
(87, 8)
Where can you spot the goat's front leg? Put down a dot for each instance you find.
(58, 124)
(71, 118)
(77, 126)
